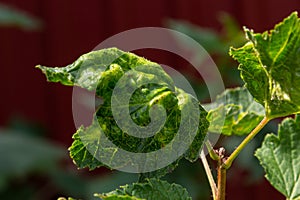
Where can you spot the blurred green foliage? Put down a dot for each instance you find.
(215, 43)
(12, 17)
(33, 167)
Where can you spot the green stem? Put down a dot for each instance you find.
(209, 175)
(211, 151)
(236, 152)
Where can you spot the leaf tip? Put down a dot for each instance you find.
(295, 13)
(249, 34)
(42, 68)
(39, 67)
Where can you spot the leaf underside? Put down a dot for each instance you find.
(234, 112)
(270, 67)
(152, 189)
(280, 157)
(102, 71)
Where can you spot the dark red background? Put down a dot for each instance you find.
(73, 27)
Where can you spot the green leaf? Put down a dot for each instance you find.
(153, 189)
(280, 157)
(85, 71)
(12, 17)
(118, 197)
(138, 98)
(234, 112)
(270, 67)
(78, 151)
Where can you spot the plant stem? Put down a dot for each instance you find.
(209, 175)
(213, 155)
(236, 152)
(224, 164)
(221, 182)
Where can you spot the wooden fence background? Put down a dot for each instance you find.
(73, 27)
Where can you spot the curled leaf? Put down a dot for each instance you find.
(145, 121)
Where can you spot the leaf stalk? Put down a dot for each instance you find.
(236, 152)
(209, 175)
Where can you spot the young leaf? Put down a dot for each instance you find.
(234, 112)
(153, 189)
(270, 67)
(280, 157)
(138, 98)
